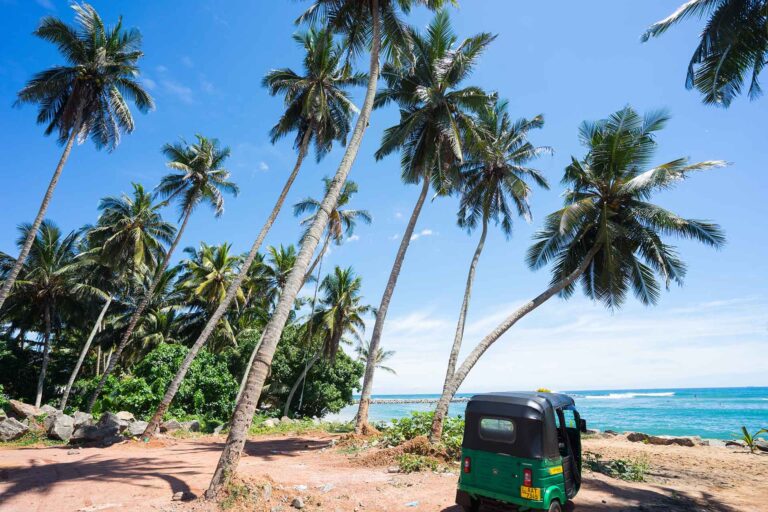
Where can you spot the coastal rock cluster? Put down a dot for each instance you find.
(80, 427)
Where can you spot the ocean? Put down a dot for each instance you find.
(715, 413)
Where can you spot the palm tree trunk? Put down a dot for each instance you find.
(490, 339)
(83, 352)
(98, 361)
(323, 250)
(46, 356)
(173, 387)
(243, 415)
(245, 371)
(381, 313)
(458, 338)
(136, 316)
(295, 387)
(11, 279)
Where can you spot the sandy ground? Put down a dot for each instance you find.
(132, 476)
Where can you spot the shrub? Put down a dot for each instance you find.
(749, 439)
(3, 399)
(420, 424)
(631, 470)
(410, 463)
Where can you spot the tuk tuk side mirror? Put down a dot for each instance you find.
(582, 425)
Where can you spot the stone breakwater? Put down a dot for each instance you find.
(398, 401)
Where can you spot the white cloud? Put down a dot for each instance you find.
(207, 86)
(579, 345)
(47, 4)
(149, 83)
(423, 232)
(353, 238)
(263, 166)
(161, 68)
(398, 215)
(181, 91)
(187, 61)
(394, 237)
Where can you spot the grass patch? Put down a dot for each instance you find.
(300, 427)
(33, 438)
(631, 470)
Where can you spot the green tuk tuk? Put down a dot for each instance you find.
(522, 450)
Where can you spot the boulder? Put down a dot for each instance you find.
(170, 426)
(82, 419)
(637, 437)
(761, 444)
(11, 428)
(218, 429)
(48, 421)
(734, 444)
(297, 503)
(136, 428)
(23, 411)
(48, 409)
(110, 420)
(190, 426)
(125, 416)
(286, 420)
(61, 427)
(271, 423)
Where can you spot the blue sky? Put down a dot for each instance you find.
(570, 61)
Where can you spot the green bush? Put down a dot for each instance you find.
(207, 392)
(410, 463)
(420, 424)
(631, 470)
(3, 399)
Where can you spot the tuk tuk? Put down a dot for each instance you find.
(522, 450)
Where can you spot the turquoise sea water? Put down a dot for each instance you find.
(716, 413)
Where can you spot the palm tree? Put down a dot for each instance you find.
(434, 113)
(340, 314)
(381, 357)
(199, 177)
(49, 284)
(733, 46)
(495, 188)
(361, 22)
(608, 234)
(319, 110)
(83, 98)
(341, 222)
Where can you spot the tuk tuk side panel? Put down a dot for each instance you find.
(500, 477)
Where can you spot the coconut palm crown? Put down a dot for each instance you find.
(199, 175)
(435, 111)
(88, 94)
(732, 49)
(608, 210)
(316, 102)
(495, 172)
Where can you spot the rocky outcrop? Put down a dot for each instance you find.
(136, 428)
(22, 410)
(170, 426)
(761, 444)
(11, 428)
(82, 419)
(191, 426)
(639, 437)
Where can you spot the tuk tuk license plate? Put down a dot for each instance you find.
(530, 493)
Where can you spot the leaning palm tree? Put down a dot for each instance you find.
(198, 178)
(86, 97)
(494, 188)
(435, 110)
(340, 313)
(341, 221)
(365, 24)
(733, 47)
(319, 110)
(608, 235)
(381, 356)
(48, 285)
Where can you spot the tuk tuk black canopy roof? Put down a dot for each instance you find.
(534, 416)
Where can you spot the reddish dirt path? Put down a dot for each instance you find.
(132, 476)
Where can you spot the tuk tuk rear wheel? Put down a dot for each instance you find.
(474, 507)
(555, 506)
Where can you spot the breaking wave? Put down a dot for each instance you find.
(621, 396)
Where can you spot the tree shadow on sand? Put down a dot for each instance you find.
(633, 499)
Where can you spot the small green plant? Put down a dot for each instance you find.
(631, 470)
(420, 424)
(750, 439)
(410, 463)
(3, 399)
